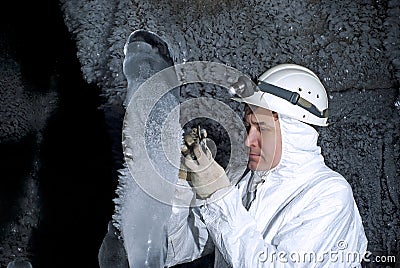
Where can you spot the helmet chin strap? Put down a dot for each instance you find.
(292, 97)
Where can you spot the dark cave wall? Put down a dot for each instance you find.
(55, 153)
(27, 100)
(363, 145)
(345, 39)
(353, 46)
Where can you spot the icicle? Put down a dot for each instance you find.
(141, 212)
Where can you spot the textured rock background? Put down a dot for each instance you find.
(55, 162)
(352, 45)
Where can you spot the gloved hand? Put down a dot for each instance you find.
(204, 174)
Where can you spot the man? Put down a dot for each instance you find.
(291, 209)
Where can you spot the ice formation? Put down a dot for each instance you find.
(140, 212)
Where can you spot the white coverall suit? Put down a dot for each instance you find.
(302, 209)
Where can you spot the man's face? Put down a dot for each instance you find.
(264, 140)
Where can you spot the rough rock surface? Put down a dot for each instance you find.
(352, 45)
(55, 178)
(24, 110)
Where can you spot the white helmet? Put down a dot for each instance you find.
(291, 90)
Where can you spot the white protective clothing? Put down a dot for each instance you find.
(302, 209)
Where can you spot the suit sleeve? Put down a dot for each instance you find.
(187, 235)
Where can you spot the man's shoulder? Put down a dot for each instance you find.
(327, 175)
(329, 183)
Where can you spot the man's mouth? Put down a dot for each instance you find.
(253, 156)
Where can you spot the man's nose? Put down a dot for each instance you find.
(251, 138)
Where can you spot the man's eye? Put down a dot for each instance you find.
(265, 129)
(247, 126)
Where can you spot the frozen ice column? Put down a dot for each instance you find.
(151, 150)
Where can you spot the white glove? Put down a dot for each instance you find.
(205, 174)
